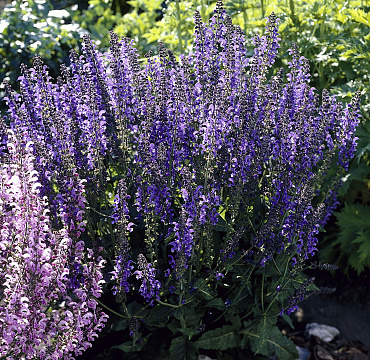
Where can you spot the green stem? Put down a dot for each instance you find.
(245, 18)
(109, 309)
(91, 208)
(245, 331)
(167, 304)
(246, 315)
(292, 12)
(126, 311)
(243, 286)
(262, 9)
(282, 288)
(262, 289)
(199, 251)
(182, 322)
(277, 268)
(202, 12)
(174, 306)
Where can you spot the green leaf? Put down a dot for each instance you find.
(354, 216)
(122, 325)
(234, 320)
(180, 311)
(216, 303)
(288, 320)
(283, 347)
(363, 240)
(219, 339)
(125, 347)
(222, 224)
(313, 287)
(204, 289)
(133, 308)
(188, 332)
(128, 346)
(363, 132)
(178, 348)
(268, 340)
(351, 248)
(259, 341)
(359, 16)
(182, 349)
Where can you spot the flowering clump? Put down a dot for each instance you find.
(41, 314)
(204, 180)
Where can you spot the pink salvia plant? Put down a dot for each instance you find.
(41, 315)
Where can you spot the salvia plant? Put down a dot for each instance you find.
(192, 189)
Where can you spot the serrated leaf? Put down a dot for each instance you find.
(359, 172)
(188, 332)
(159, 315)
(219, 339)
(268, 340)
(283, 347)
(353, 216)
(133, 308)
(354, 263)
(359, 16)
(364, 144)
(259, 340)
(245, 338)
(363, 240)
(352, 244)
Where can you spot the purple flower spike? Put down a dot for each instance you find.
(149, 288)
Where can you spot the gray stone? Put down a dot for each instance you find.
(204, 357)
(324, 332)
(303, 353)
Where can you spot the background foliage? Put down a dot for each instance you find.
(36, 27)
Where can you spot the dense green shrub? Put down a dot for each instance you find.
(34, 27)
(348, 243)
(342, 52)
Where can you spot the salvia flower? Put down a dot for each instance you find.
(38, 318)
(150, 286)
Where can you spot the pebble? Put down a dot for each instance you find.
(324, 332)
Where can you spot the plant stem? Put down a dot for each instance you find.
(109, 309)
(262, 9)
(292, 13)
(262, 289)
(178, 11)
